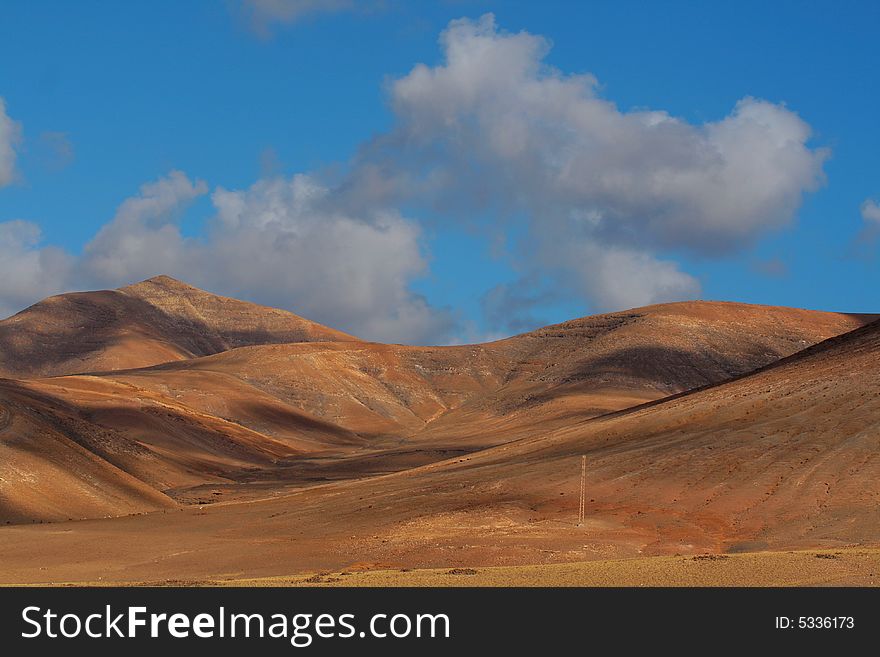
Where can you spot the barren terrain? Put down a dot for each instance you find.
(269, 446)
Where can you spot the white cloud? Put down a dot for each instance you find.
(871, 212)
(615, 277)
(10, 135)
(28, 272)
(143, 239)
(493, 127)
(548, 140)
(282, 242)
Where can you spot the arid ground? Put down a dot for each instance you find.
(161, 434)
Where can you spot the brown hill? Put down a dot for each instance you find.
(252, 421)
(55, 466)
(592, 365)
(783, 458)
(474, 396)
(154, 321)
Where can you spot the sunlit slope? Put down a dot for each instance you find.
(781, 459)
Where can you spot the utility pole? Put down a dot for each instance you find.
(582, 507)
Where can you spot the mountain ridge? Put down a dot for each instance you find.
(781, 459)
(154, 321)
(235, 410)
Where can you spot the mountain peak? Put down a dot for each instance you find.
(163, 281)
(157, 320)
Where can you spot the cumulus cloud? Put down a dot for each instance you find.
(10, 135)
(615, 277)
(143, 238)
(140, 241)
(284, 242)
(549, 141)
(493, 128)
(28, 270)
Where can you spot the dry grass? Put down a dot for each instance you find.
(847, 567)
(841, 567)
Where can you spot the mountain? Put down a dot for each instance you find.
(474, 396)
(593, 365)
(779, 459)
(155, 321)
(248, 421)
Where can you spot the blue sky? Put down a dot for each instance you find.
(269, 101)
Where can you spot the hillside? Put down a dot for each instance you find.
(780, 459)
(254, 421)
(155, 321)
(54, 466)
(593, 365)
(394, 394)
